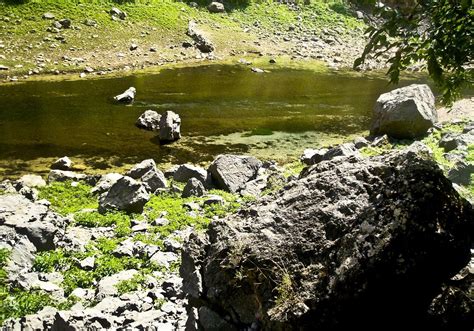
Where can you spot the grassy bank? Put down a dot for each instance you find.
(29, 44)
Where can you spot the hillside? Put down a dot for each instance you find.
(154, 33)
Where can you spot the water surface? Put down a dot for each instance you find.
(223, 109)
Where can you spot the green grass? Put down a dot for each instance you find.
(66, 199)
(120, 220)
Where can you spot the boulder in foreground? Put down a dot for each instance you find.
(351, 244)
(407, 112)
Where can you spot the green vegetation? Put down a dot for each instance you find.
(66, 198)
(438, 32)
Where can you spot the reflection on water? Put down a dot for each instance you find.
(223, 109)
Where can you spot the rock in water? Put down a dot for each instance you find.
(406, 112)
(149, 120)
(231, 172)
(126, 194)
(126, 97)
(216, 7)
(170, 127)
(202, 41)
(353, 244)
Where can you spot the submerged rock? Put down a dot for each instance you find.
(126, 97)
(407, 112)
(352, 244)
(170, 127)
(149, 120)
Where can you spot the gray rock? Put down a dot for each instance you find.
(164, 258)
(105, 183)
(407, 112)
(361, 142)
(216, 7)
(62, 176)
(193, 187)
(48, 16)
(88, 263)
(63, 163)
(213, 199)
(344, 150)
(352, 236)
(21, 259)
(185, 172)
(141, 169)
(461, 173)
(380, 141)
(126, 194)
(257, 70)
(90, 22)
(359, 15)
(149, 120)
(313, 156)
(31, 181)
(4, 68)
(170, 127)
(115, 12)
(65, 23)
(451, 141)
(254, 187)
(202, 41)
(231, 172)
(133, 47)
(107, 285)
(126, 97)
(154, 180)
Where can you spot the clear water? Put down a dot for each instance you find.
(223, 109)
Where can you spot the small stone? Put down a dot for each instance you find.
(63, 163)
(48, 16)
(133, 47)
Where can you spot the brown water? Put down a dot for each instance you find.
(223, 109)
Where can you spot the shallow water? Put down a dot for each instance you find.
(223, 109)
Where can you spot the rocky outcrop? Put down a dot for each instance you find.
(126, 97)
(351, 244)
(202, 42)
(126, 194)
(149, 120)
(231, 172)
(407, 112)
(170, 127)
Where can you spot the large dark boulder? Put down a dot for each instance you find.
(352, 244)
(407, 112)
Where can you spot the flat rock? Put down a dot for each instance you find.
(231, 172)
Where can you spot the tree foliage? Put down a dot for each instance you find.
(437, 32)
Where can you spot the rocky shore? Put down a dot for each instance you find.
(364, 226)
